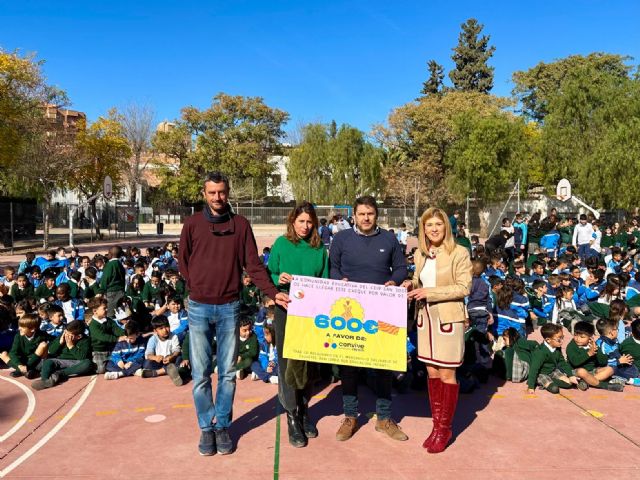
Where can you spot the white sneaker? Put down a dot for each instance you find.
(273, 379)
(254, 376)
(112, 375)
(215, 369)
(138, 372)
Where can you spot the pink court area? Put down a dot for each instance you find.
(138, 428)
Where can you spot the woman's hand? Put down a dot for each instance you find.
(417, 294)
(408, 284)
(285, 278)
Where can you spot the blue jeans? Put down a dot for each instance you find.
(584, 251)
(205, 321)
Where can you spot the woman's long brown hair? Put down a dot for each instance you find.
(313, 237)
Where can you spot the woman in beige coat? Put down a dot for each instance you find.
(440, 283)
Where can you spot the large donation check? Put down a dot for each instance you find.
(347, 323)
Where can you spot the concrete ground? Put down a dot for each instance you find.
(146, 429)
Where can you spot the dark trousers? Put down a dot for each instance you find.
(153, 365)
(290, 398)
(66, 367)
(382, 388)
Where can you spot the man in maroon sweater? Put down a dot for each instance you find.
(215, 246)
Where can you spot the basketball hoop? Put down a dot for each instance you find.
(563, 190)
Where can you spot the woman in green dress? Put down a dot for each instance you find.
(298, 252)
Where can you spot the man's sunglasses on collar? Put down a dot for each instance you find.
(229, 230)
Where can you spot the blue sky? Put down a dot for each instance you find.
(352, 61)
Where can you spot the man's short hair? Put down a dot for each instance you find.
(583, 217)
(367, 200)
(216, 177)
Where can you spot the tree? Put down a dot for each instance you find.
(590, 137)
(235, 135)
(332, 166)
(420, 134)
(102, 150)
(434, 84)
(137, 127)
(489, 153)
(535, 87)
(472, 73)
(23, 94)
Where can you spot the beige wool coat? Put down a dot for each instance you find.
(453, 283)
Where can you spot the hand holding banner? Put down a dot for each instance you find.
(347, 323)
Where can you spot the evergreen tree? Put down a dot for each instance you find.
(434, 84)
(472, 73)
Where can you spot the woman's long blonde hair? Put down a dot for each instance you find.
(448, 243)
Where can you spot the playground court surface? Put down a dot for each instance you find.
(138, 428)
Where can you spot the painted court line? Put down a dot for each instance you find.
(27, 414)
(52, 432)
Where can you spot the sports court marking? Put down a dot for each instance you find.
(28, 412)
(17, 462)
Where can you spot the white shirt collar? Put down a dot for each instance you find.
(552, 349)
(374, 232)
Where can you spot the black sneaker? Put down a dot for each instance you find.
(16, 373)
(43, 384)
(32, 374)
(582, 385)
(553, 388)
(615, 387)
(174, 375)
(148, 373)
(223, 441)
(207, 445)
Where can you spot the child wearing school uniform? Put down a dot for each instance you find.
(631, 346)
(162, 355)
(265, 368)
(549, 369)
(70, 354)
(28, 349)
(247, 348)
(22, 289)
(127, 356)
(55, 323)
(587, 361)
(516, 355)
(622, 364)
(104, 333)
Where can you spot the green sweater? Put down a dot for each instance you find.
(74, 289)
(524, 348)
(250, 296)
(631, 346)
(19, 294)
(247, 351)
(113, 277)
(297, 259)
(579, 357)
(80, 351)
(43, 292)
(23, 350)
(104, 335)
(149, 292)
(607, 241)
(544, 361)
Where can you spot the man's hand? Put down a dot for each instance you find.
(390, 283)
(283, 300)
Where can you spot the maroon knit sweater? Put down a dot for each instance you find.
(212, 265)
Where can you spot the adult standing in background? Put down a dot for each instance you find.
(215, 246)
(440, 284)
(453, 219)
(300, 251)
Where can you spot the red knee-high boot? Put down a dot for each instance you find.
(447, 410)
(435, 400)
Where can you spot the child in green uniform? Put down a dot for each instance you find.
(22, 289)
(68, 355)
(104, 333)
(247, 348)
(549, 369)
(631, 345)
(28, 349)
(250, 295)
(516, 355)
(46, 292)
(588, 362)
